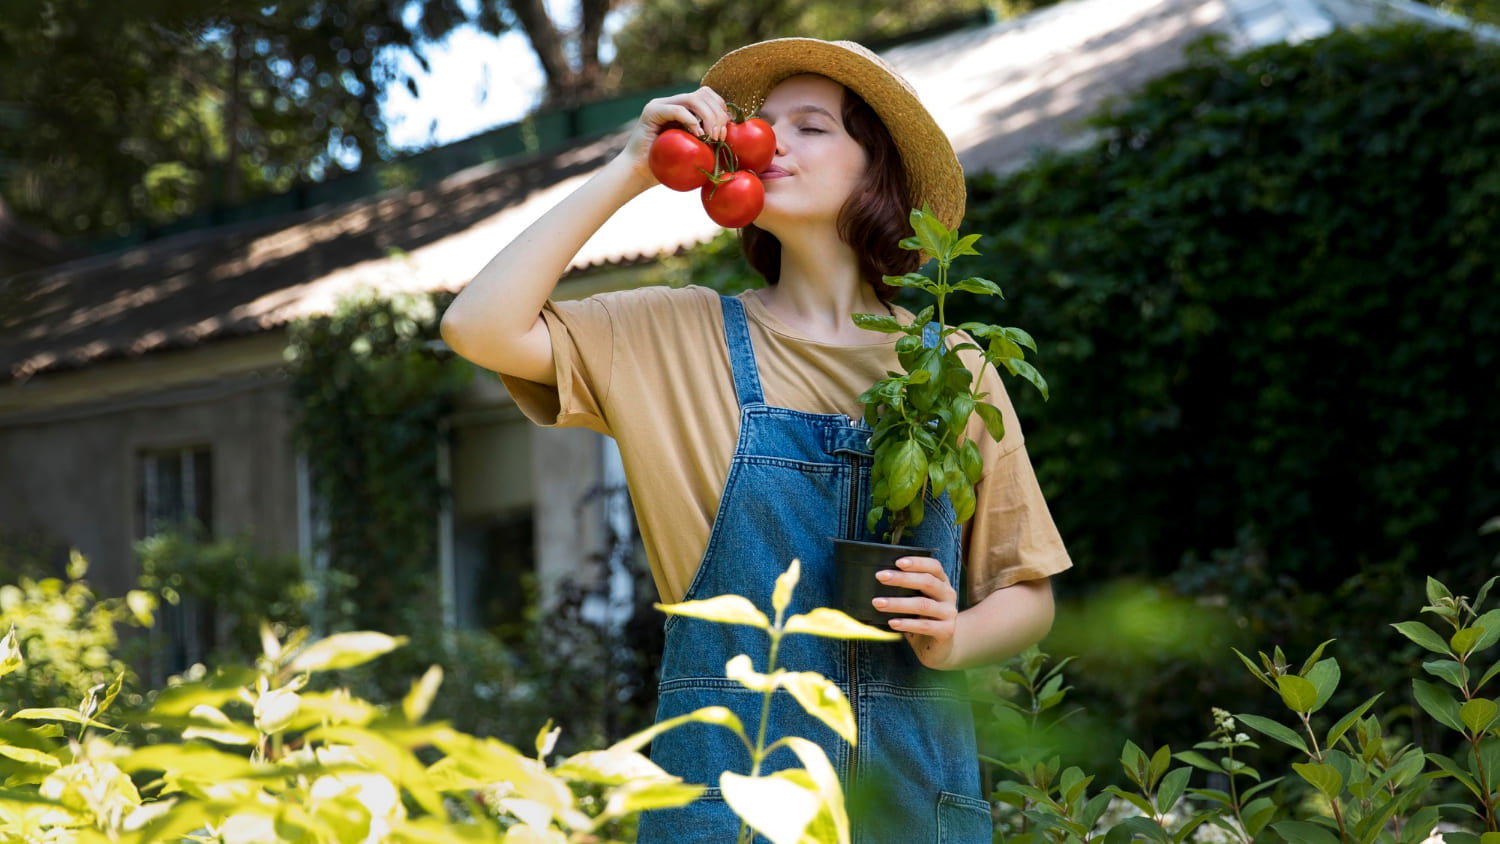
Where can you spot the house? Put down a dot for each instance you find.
(149, 383)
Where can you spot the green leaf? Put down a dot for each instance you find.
(1435, 701)
(833, 624)
(1313, 658)
(1436, 591)
(1298, 693)
(994, 420)
(1257, 814)
(1130, 828)
(1172, 786)
(883, 323)
(965, 245)
(196, 762)
(345, 650)
(724, 609)
(1321, 776)
(936, 239)
(981, 286)
(1302, 832)
(1463, 641)
(213, 725)
(1490, 622)
(1160, 760)
(1446, 669)
(1273, 729)
(1131, 797)
(909, 280)
(1452, 769)
(1198, 760)
(1488, 676)
(1028, 372)
(1478, 715)
(1325, 678)
(1337, 731)
(1424, 636)
(774, 806)
(1254, 669)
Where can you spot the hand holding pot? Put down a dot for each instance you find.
(930, 634)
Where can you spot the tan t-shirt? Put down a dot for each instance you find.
(650, 367)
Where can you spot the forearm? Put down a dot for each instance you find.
(1005, 623)
(497, 313)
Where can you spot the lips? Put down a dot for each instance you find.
(773, 172)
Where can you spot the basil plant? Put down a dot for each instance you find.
(920, 415)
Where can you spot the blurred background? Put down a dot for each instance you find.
(1257, 242)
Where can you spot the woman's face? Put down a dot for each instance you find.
(817, 163)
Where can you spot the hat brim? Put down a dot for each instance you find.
(934, 177)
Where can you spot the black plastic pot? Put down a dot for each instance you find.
(857, 585)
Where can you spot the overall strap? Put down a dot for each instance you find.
(741, 353)
(930, 334)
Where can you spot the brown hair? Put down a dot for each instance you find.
(874, 218)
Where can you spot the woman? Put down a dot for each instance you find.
(735, 420)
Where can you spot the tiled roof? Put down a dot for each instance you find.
(1000, 91)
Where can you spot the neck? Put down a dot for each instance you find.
(820, 290)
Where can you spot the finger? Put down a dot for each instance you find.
(931, 565)
(927, 584)
(663, 114)
(925, 607)
(712, 111)
(923, 627)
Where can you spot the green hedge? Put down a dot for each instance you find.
(1268, 303)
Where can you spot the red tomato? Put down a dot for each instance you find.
(752, 142)
(680, 161)
(736, 201)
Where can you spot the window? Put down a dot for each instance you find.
(175, 492)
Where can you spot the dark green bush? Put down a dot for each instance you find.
(1266, 298)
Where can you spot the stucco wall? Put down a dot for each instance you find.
(71, 473)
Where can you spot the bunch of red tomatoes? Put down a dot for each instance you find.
(724, 172)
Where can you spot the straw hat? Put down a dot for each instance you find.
(934, 176)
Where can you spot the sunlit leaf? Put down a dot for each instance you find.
(742, 671)
(822, 699)
(423, 691)
(1298, 693)
(345, 650)
(27, 756)
(1321, 776)
(57, 713)
(834, 624)
(725, 609)
(773, 805)
(216, 726)
(786, 583)
(707, 715)
(642, 795)
(1477, 714)
(612, 767)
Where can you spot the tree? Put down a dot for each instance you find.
(139, 113)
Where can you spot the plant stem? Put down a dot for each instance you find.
(765, 715)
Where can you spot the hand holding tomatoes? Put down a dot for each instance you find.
(725, 173)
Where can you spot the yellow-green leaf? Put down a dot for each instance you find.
(419, 699)
(190, 761)
(725, 609)
(10, 653)
(1324, 777)
(781, 598)
(635, 797)
(774, 806)
(1478, 714)
(1298, 693)
(822, 699)
(743, 672)
(826, 780)
(707, 715)
(57, 713)
(836, 625)
(612, 767)
(27, 756)
(214, 725)
(345, 650)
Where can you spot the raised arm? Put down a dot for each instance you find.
(496, 320)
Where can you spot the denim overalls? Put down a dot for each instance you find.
(797, 479)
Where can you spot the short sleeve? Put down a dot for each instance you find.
(1012, 537)
(582, 333)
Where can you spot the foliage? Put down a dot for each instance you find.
(1486, 11)
(263, 756)
(237, 586)
(920, 416)
(1357, 781)
(665, 41)
(369, 404)
(1269, 283)
(141, 113)
(67, 635)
